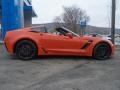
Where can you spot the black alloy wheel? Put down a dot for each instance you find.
(102, 51)
(25, 50)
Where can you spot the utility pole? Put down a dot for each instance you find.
(113, 21)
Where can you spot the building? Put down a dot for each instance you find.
(15, 14)
(28, 13)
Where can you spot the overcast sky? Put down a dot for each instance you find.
(98, 10)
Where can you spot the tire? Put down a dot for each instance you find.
(102, 51)
(25, 50)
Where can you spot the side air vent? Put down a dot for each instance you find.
(87, 44)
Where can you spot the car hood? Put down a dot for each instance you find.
(90, 38)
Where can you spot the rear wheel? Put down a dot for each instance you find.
(102, 51)
(25, 50)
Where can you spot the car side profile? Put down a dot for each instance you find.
(27, 43)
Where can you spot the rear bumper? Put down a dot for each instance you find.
(8, 47)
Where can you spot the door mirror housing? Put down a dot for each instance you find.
(69, 35)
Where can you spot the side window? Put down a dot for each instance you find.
(39, 29)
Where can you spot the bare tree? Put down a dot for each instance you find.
(57, 21)
(71, 18)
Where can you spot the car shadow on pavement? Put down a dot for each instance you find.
(64, 58)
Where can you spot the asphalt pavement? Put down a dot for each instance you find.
(59, 73)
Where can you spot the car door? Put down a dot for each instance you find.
(59, 44)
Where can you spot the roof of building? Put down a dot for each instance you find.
(28, 6)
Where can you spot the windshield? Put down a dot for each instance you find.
(63, 31)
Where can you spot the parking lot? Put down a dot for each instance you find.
(59, 73)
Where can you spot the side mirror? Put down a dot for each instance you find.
(69, 35)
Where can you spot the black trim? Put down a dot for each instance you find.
(87, 44)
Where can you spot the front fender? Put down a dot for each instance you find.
(90, 50)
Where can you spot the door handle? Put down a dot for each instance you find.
(41, 34)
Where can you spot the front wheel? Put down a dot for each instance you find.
(102, 51)
(25, 50)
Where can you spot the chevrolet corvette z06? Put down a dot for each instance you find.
(27, 43)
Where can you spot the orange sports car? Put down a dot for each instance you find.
(27, 43)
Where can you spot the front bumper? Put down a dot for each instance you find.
(113, 50)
